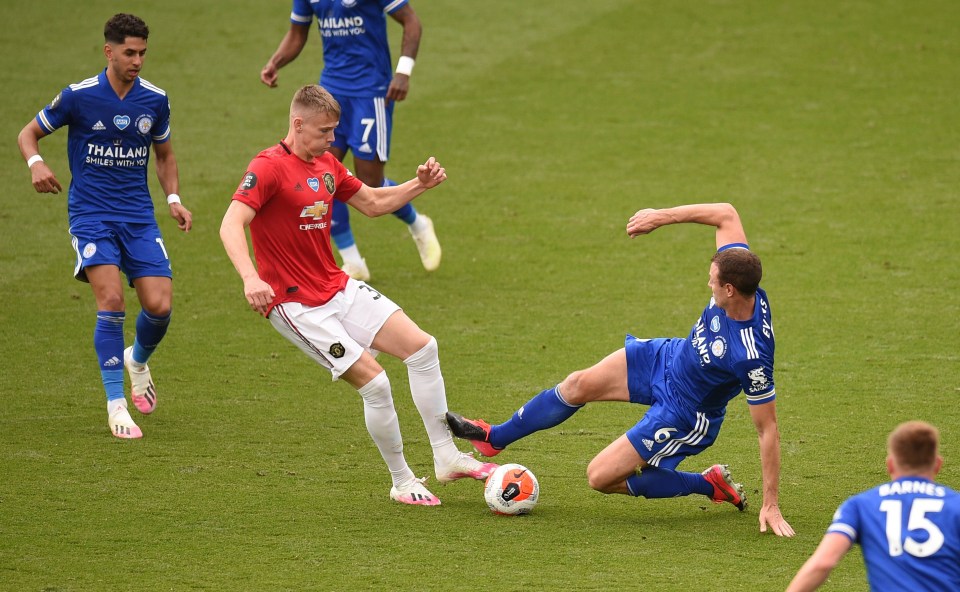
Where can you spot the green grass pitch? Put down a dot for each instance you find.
(830, 125)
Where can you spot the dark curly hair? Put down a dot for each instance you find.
(120, 26)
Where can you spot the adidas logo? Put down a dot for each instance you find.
(520, 413)
(98, 126)
(298, 187)
(111, 362)
(364, 148)
(648, 444)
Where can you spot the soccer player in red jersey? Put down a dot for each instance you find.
(286, 199)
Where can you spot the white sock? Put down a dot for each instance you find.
(351, 255)
(419, 224)
(430, 397)
(383, 426)
(114, 403)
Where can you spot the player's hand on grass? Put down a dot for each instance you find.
(182, 215)
(770, 516)
(430, 174)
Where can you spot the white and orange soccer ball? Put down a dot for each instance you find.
(511, 489)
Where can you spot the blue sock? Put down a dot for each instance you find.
(340, 229)
(406, 213)
(655, 482)
(150, 330)
(108, 343)
(544, 411)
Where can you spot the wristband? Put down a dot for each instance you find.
(34, 160)
(172, 199)
(405, 65)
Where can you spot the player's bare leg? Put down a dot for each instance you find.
(608, 471)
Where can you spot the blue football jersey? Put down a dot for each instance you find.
(722, 357)
(356, 54)
(909, 531)
(108, 146)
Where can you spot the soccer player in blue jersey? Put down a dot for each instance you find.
(114, 118)
(358, 72)
(687, 382)
(908, 528)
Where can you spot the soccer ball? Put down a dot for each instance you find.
(511, 489)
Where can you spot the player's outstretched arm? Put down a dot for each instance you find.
(817, 568)
(233, 234)
(765, 421)
(377, 201)
(722, 216)
(43, 179)
(290, 47)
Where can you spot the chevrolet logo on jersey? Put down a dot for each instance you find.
(317, 211)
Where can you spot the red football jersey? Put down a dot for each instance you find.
(291, 231)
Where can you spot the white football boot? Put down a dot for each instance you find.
(427, 244)
(465, 466)
(357, 271)
(414, 493)
(142, 391)
(120, 422)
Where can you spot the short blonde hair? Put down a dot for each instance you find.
(914, 446)
(314, 99)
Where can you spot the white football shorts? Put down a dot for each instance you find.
(336, 333)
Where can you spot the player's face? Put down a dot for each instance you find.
(126, 59)
(316, 133)
(719, 291)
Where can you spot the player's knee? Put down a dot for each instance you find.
(111, 301)
(576, 388)
(376, 393)
(597, 478)
(161, 310)
(426, 357)
(157, 305)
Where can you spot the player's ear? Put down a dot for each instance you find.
(938, 465)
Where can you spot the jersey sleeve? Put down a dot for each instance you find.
(391, 6)
(258, 184)
(58, 113)
(301, 14)
(756, 379)
(846, 520)
(734, 246)
(160, 132)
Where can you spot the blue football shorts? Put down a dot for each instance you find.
(137, 249)
(668, 432)
(365, 127)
